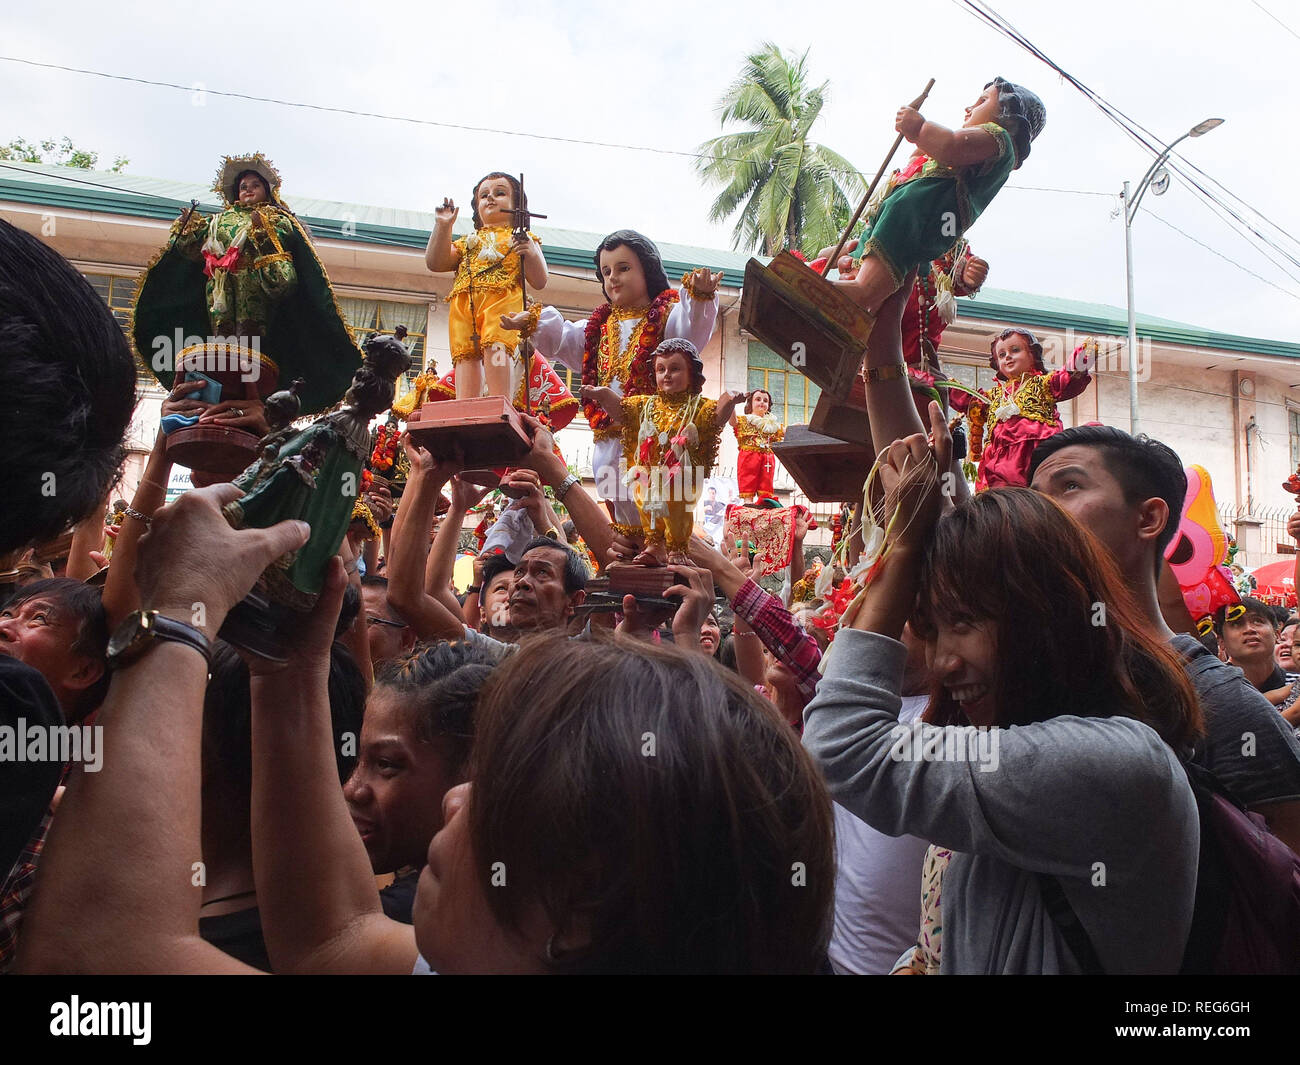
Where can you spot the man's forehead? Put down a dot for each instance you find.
(1076, 458)
(36, 603)
(546, 556)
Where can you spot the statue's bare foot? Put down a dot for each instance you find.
(652, 555)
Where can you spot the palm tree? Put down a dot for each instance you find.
(791, 191)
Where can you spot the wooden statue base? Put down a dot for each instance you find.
(257, 625)
(647, 583)
(487, 431)
(218, 450)
(844, 420)
(806, 320)
(826, 469)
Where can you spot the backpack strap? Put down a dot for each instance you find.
(1067, 922)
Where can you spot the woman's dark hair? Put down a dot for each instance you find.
(693, 361)
(749, 400)
(227, 721)
(645, 251)
(67, 375)
(519, 199)
(1070, 637)
(1034, 346)
(664, 817)
(349, 609)
(439, 684)
(1021, 113)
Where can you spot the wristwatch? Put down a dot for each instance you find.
(143, 628)
(566, 486)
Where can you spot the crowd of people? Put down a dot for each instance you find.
(992, 764)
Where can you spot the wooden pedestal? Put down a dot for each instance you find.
(487, 431)
(806, 320)
(826, 469)
(844, 420)
(220, 451)
(645, 582)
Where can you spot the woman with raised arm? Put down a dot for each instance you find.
(1049, 760)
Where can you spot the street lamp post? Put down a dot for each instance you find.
(1130, 205)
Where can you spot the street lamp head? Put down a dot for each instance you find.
(1202, 128)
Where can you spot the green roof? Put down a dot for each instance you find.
(144, 197)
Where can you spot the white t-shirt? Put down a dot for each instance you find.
(877, 887)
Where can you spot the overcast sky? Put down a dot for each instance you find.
(651, 74)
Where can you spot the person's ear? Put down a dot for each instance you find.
(85, 675)
(1153, 515)
(576, 600)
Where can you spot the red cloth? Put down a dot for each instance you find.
(754, 472)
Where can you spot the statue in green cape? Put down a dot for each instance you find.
(241, 297)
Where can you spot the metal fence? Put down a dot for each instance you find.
(1274, 544)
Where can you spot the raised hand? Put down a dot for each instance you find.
(908, 122)
(447, 213)
(974, 272)
(704, 282)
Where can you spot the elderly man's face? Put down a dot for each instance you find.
(538, 599)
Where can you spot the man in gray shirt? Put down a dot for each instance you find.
(1129, 492)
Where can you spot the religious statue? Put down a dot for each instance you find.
(240, 300)
(614, 348)
(670, 442)
(492, 265)
(315, 475)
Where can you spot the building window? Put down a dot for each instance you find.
(793, 395)
(980, 376)
(366, 316)
(118, 291)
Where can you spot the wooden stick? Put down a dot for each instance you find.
(916, 105)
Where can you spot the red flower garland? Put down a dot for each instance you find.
(641, 378)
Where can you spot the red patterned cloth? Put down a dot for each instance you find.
(543, 381)
(769, 531)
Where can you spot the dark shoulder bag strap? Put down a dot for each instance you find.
(1072, 931)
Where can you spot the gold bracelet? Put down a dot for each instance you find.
(892, 372)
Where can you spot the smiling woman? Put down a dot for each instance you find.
(1031, 634)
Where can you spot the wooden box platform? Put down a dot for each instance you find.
(488, 430)
(806, 320)
(220, 450)
(826, 469)
(844, 420)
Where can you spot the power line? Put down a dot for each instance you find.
(1147, 140)
(1220, 254)
(197, 88)
(1276, 19)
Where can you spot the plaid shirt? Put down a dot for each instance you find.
(793, 647)
(16, 889)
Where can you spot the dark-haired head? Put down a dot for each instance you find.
(519, 200)
(749, 400)
(1142, 468)
(58, 627)
(687, 350)
(68, 378)
(1021, 113)
(647, 254)
(415, 744)
(1066, 633)
(680, 862)
(1035, 348)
